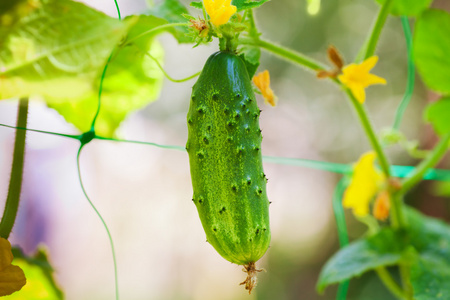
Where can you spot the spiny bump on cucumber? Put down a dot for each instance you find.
(228, 181)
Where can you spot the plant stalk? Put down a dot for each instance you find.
(396, 216)
(283, 52)
(390, 283)
(309, 63)
(410, 75)
(405, 275)
(370, 132)
(15, 182)
(370, 45)
(432, 159)
(153, 30)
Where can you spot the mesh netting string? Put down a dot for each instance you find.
(338, 168)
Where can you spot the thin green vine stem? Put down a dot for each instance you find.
(173, 147)
(72, 136)
(118, 10)
(432, 159)
(99, 102)
(307, 62)
(370, 132)
(15, 182)
(309, 163)
(116, 277)
(155, 29)
(410, 75)
(390, 283)
(396, 216)
(369, 47)
(405, 275)
(283, 52)
(164, 71)
(397, 171)
(253, 31)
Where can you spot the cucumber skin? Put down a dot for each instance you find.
(224, 147)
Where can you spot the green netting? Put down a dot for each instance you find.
(410, 75)
(339, 168)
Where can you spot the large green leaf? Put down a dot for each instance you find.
(173, 11)
(59, 50)
(132, 80)
(408, 7)
(5, 6)
(432, 49)
(429, 236)
(424, 245)
(386, 248)
(56, 50)
(430, 278)
(438, 114)
(431, 272)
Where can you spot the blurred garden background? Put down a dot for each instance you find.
(144, 192)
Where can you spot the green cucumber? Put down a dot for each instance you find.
(224, 147)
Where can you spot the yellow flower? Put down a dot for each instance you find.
(12, 278)
(365, 184)
(220, 11)
(357, 77)
(262, 82)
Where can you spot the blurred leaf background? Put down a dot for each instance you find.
(144, 192)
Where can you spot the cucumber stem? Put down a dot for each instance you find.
(251, 280)
(228, 44)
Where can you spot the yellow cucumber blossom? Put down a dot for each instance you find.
(357, 77)
(262, 82)
(220, 11)
(365, 184)
(12, 278)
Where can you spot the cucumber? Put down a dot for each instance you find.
(224, 147)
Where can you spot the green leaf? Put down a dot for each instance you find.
(430, 278)
(438, 114)
(172, 11)
(132, 81)
(424, 245)
(429, 235)
(50, 53)
(250, 55)
(386, 248)
(247, 4)
(431, 272)
(39, 273)
(197, 4)
(63, 58)
(432, 49)
(408, 7)
(7, 5)
(240, 4)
